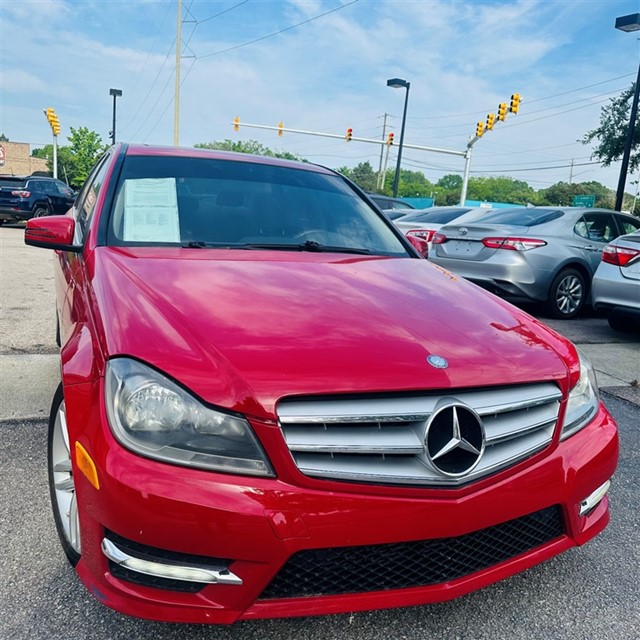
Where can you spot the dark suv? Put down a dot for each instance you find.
(24, 197)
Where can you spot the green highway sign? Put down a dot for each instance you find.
(584, 201)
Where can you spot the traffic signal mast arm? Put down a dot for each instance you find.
(236, 123)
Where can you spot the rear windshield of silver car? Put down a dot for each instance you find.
(522, 216)
(206, 202)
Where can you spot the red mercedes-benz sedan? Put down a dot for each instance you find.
(272, 405)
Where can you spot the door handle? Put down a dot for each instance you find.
(590, 247)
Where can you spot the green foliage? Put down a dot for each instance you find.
(362, 174)
(412, 184)
(248, 146)
(611, 135)
(75, 161)
(500, 189)
(561, 194)
(3, 138)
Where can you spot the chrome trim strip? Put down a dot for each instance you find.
(593, 500)
(186, 572)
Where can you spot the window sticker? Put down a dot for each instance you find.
(151, 210)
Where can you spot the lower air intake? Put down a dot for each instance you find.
(320, 572)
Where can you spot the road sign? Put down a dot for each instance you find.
(2, 155)
(584, 201)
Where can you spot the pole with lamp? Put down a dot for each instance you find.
(398, 83)
(628, 23)
(116, 93)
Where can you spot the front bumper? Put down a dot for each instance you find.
(253, 527)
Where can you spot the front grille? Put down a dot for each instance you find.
(321, 572)
(382, 439)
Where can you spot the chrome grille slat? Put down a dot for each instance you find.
(381, 439)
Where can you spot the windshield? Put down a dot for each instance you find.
(204, 202)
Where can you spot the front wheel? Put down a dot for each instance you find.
(567, 294)
(61, 482)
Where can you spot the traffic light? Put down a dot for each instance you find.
(479, 129)
(515, 103)
(53, 121)
(349, 134)
(502, 111)
(236, 123)
(491, 120)
(390, 138)
(280, 128)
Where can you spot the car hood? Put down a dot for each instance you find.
(242, 329)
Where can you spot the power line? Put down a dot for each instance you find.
(275, 33)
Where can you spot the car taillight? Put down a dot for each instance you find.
(423, 234)
(21, 194)
(438, 238)
(619, 256)
(514, 244)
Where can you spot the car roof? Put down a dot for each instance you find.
(234, 156)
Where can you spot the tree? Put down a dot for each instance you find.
(3, 138)
(248, 146)
(86, 147)
(362, 174)
(500, 189)
(611, 135)
(562, 193)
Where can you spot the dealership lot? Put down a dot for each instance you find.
(586, 593)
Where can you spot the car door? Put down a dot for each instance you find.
(592, 232)
(57, 203)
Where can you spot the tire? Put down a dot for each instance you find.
(61, 482)
(566, 294)
(40, 211)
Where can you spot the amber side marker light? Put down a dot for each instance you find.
(86, 465)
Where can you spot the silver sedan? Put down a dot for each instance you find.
(616, 283)
(544, 254)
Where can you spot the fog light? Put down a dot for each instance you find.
(168, 570)
(593, 500)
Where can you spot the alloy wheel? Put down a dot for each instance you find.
(569, 295)
(65, 502)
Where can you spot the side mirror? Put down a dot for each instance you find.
(51, 232)
(421, 246)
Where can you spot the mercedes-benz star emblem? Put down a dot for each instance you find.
(454, 439)
(437, 361)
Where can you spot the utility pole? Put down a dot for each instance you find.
(380, 181)
(176, 109)
(571, 172)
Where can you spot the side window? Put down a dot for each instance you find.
(36, 186)
(597, 227)
(86, 202)
(628, 225)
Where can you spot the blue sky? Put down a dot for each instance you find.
(462, 58)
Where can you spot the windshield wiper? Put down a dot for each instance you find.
(308, 245)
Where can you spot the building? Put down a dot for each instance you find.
(15, 159)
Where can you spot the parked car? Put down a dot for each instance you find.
(424, 223)
(24, 197)
(545, 254)
(255, 420)
(616, 282)
(386, 203)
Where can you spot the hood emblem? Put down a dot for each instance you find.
(454, 440)
(437, 361)
(463, 231)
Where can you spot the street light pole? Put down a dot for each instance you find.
(398, 83)
(116, 93)
(628, 23)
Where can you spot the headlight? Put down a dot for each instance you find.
(583, 400)
(152, 416)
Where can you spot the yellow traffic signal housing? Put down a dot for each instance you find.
(479, 129)
(53, 121)
(491, 120)
(515, 103)
(502, 111)
(236, 123)
(280, 128)
(349, 134)
(390, 138)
